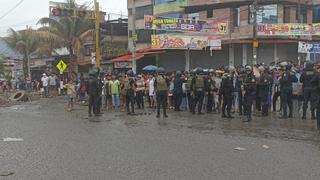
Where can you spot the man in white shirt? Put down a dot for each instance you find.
(45, 84)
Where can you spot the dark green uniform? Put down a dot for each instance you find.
(198, 87)
(161, 85)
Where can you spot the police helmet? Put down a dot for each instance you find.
(130, 73)
(161, 70)
(261, 69)
(178, 73)
(231, 68)
(248, 68)
(199, 70)
(211, 71)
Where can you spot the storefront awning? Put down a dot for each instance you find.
(127, 58)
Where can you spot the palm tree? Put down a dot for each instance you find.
(71, 30)
(29, 41)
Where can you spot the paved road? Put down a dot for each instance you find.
(60, 145)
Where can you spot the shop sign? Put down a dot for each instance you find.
(305, 47)
(185, 25)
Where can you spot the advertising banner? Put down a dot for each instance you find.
(305, 47)
(176, 41)
(283, 29)
(123, 65)
(288, 29)
(185, 25)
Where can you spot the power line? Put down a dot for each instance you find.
(10, 10)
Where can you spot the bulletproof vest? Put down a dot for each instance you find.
(250, 82)
(127, 83)
(211, 84)
(92, 86)
(161, 84)
(308, 75)
(188, 84)
(199, 83)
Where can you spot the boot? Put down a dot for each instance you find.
(248, 118)
(223, 115)
(304, 114)
(229, 116)
(158, 116)
(313, 117)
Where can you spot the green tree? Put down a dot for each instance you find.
(30, 41)
(72, 31)
(1, 65)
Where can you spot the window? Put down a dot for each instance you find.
(144, 35)
(193, 16)
(267, 14)
(143, 10)
(286, 15)
(316, 15)
(236, 17)
(209, 13)
(303, 14)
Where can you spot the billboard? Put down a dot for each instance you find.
(185, 25)
(288, 29)
(305, 47)
(177, 41)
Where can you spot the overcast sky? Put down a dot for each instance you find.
(30, 11)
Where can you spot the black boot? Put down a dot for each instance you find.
(229, 116)
(223, 115)
(248, 118)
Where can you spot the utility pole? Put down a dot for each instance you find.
(134, 37)
(97, 31)
(254, 10)
(299, 21)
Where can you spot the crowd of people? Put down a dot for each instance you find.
(225, 90)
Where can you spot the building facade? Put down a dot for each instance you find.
(237, 42)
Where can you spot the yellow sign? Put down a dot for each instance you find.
(62, 66)
(134, 37)
(255, 43)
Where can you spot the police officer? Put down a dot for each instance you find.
(129, 87)
(263, 86)
(315, 81)
(210, 89)
(189, 91)
(99, 93)
(250, 89)
(92, 92)
(305, 79)
(197, 87)
(226, 91)
(177, 91)
(286, 80)
(161, 85)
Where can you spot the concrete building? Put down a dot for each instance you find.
(237, 43)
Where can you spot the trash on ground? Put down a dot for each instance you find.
(8, 139)
(240, 149)
(265, 146)
(6, 173)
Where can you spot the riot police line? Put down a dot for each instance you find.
(226, 90)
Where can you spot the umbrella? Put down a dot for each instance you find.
(150, 68)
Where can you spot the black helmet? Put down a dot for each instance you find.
(160, 70)
(130, 73)
(309, 65)
(178, 73)
(199, 70)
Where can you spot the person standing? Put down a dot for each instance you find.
(305, 79)
(286, 80)
(226, 90)
(263, 86)
(250, 89)
(114, 85)
(129, 87)
(161, 85)
(315, 81)
(198, 90)
(53, 85)
(177, 91)
(45, 84)
(92, 87)
(141, 86)
(210, 88)
(71, 93)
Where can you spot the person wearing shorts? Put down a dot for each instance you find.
(71, 94)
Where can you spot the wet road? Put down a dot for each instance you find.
(60, 145)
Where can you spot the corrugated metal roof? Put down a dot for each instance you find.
(8, 52)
